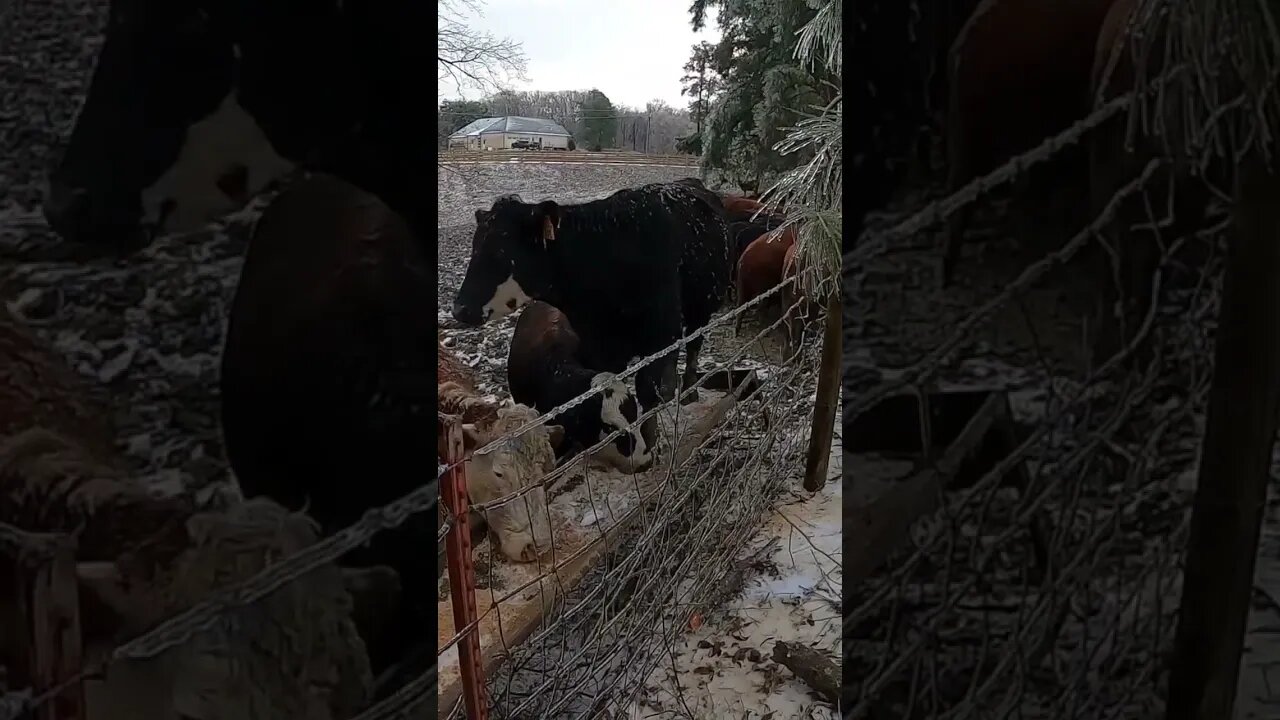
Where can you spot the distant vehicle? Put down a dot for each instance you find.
(521, 145)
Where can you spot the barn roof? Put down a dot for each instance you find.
(511, 124)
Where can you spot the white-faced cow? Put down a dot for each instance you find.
(326, 387)
(633, 272)
(544, 370)
(194, 106)
(523, 526)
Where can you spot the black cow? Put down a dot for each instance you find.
(327, 394)
(545, 370)
(633, 272)
(196, 105)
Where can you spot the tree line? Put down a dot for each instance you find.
(594, 121)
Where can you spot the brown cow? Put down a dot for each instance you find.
(797, 310)
(1018, 73)
(760, 267)
(545, 369)
(326, 401)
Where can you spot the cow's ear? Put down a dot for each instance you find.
(556, 433)
(546, 215)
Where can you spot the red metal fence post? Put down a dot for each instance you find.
(40, 637)
(462, 573)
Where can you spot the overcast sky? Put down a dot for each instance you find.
(632, 50)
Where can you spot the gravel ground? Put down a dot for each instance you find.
(145, 331)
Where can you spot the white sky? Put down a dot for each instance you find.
(631, 50)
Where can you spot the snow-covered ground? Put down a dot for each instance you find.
(724, 668)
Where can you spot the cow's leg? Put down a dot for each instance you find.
(655, 383)
(692, 350)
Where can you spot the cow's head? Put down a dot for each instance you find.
(510, 263)
(631, 451)
(521, 526)
(161, 142)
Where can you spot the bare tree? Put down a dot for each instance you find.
(471, 58)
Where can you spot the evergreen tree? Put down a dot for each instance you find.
(762, 87)
(700, 83)
(599, 121)
(452, 115)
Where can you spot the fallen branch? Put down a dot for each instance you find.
(813, 667)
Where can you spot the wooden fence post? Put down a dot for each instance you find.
(462, 574)
(818, 458)
(1235, 464)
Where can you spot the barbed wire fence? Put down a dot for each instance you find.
(696, 512)
(1056, 598)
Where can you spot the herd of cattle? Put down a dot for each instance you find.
(602, 283)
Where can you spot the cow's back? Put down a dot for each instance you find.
(1019, 72)
(761, 266)
(542, 342)
(705, 257)
(633, 265)
(324, 371)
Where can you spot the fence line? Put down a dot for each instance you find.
(204, 615)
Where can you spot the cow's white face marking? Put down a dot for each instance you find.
(614, 394)
(507, 297)
(522, 526)
(225, 160)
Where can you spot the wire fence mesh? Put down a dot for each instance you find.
(638, 558)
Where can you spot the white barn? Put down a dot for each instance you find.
(500, 133)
